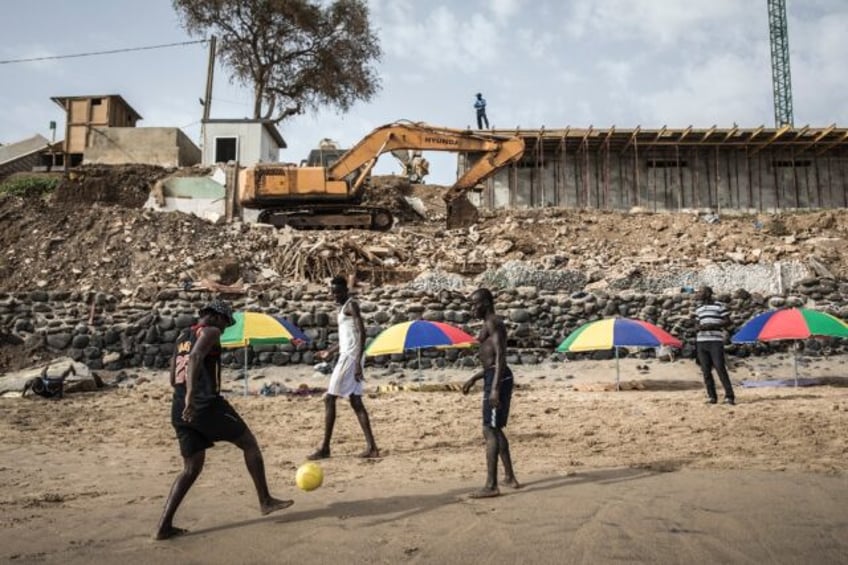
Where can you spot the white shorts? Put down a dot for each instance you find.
(343, 381)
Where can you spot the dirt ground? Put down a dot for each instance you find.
(644, 476)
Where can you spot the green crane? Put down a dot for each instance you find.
(780, 75)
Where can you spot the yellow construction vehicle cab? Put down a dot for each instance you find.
(329, 196)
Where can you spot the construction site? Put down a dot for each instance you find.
(757, 213)
(150, 276)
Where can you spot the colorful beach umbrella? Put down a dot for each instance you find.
(257, 328)
(790, 324)
(612, 333)
(253, 328)
(418, 335)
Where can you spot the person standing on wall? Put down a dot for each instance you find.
(480, 106)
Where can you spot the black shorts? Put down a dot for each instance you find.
(218, 421)
(497, 417)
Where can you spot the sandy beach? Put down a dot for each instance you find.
(649, 474)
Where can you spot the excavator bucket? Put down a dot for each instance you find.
(461, 213)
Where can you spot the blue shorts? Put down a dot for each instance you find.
(497, 417)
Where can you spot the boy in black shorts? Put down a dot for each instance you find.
(201, 416)
(497, 392)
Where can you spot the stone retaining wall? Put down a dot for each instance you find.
(105, 332)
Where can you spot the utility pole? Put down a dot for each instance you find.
(207, 99)
(210, 73)
(780, 75)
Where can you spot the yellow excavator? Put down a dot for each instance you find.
(329, 195)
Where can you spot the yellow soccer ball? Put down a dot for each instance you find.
(309, 476)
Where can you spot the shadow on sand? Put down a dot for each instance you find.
(391, 508)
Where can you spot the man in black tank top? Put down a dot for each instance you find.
(201, 416)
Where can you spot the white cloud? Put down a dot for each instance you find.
(660, 22)
(504, 10)
(722, 90)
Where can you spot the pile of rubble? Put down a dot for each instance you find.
(99, 239)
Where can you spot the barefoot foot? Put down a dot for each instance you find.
(169, 532)
(319, 454)
(512, 483)
(272, 505)
(485, 493)
(370, 453)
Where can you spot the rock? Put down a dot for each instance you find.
(80, 341)
(519, 315)
(59, 341)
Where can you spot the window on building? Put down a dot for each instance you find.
(792, 163)
(96, 101)
(665, 163)
(226, 149)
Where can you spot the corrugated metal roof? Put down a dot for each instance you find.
(23, 148)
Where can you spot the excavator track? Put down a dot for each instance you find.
(329, 218)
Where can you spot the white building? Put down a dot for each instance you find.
(246, 141)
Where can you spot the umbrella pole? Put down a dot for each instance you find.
(420, 376)
(795, 362)
(617, 385)
(245, 370)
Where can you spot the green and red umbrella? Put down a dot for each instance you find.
(790, 324)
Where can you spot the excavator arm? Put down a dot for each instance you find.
(497, 151)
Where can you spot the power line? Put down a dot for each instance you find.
(109, 52)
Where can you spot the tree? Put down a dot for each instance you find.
(297, 55)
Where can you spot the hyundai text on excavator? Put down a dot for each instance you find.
(329, 195)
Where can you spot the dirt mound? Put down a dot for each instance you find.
(93, 235)
(123, 185)
(392, 193)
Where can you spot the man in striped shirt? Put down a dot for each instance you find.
(713, 319)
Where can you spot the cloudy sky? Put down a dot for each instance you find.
(552, 63)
